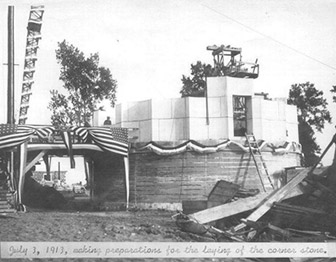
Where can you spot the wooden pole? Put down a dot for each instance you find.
(333, 140)
(126, 164)
(206, 101)
(22, 173)
(10, 95)
(10, 83)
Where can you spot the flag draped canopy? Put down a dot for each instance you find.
(110, 139)
(107, 139)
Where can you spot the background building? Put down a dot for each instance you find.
(181, 147)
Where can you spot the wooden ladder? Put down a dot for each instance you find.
(255, 152)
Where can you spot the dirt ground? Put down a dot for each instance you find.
(116, 226)
(91, 226)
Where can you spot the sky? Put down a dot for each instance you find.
(148, 45)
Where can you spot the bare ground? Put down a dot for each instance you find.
(116, 226)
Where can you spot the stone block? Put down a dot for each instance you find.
(197, 107)
(217, 86)
(139, 110)
(218, 128)
(239, 86)
(198, 129)
(118, 113)
(291, 114)
(273, 130)
(224, 106)
(270, 110)
(145, 131)
(172, 129)
(214, 106)
(161, 108)
(179, 107)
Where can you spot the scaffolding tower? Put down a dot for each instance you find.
(32, 45)
(234, 67)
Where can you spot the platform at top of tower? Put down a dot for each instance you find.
(234, 67)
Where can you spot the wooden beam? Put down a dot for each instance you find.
(246, 204)
(126, 165)
(275, 196)
(228, 209)
(22, 173)
(47, 162)
(35, 160)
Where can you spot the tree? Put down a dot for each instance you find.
(195, 86)
(86, 83)
(333, 90)
(312, 114)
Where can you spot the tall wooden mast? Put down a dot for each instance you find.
(10, 88)
(32, 45)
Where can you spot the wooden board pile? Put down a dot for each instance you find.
(303, 210)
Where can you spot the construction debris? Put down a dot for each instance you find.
(303, 210)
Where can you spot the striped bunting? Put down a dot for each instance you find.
(188, 145)
(66, 136)
(42, 132)
(81, 132)
(192, 145)
(13, 135)
(114, 140)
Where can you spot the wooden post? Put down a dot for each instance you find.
(47, 162)
(35, 160)
(22, 173)
(10, 85)
(126, 164)
(10, 95)
(206, 101)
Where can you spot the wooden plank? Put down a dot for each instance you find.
(275, 196)
(222, 192)
(35, 160)
(245, 204)
(229, 209)
(22, 166)
(192, 206)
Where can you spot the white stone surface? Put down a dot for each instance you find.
(172, 129)
(198, 129)
(139, 110)
(175, 119)
(218, 128)
(145, 131)
(162, 109)
(197, 107)
(179, 107)
(239, 86)
(216, 86)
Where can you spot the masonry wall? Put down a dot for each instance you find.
(178, 119)
(165, 181)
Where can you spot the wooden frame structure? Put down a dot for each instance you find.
(39, 148)
(234, 67)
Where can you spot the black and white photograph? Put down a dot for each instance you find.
(177, 130)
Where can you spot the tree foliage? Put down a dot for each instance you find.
(195, 85)
(312, 114)
(333, 91)
(86, 84)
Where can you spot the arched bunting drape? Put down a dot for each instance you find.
(109, 139)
